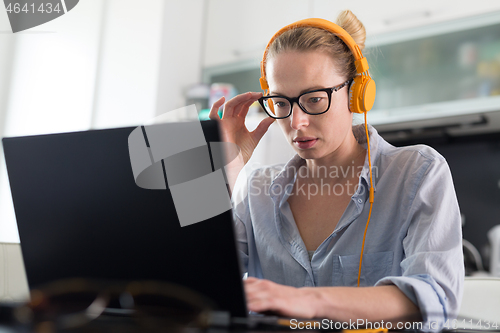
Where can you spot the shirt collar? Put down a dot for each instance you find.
(279, 189)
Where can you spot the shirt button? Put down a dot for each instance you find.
(360, 201)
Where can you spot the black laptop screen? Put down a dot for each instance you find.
(81, 214)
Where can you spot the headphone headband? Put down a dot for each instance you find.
(362, 89)
(360, 62)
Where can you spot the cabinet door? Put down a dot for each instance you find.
(383, 16)
(238, 30)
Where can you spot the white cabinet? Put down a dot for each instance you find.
(383, 16)
(447, 69)
(238, 30)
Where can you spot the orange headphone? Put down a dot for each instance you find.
(361, 92)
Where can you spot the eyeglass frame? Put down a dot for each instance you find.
(292, 100)
(37, 310)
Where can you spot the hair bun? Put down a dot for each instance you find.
(350, 23)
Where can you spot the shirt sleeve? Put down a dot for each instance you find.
(433, 267)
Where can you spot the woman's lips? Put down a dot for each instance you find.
(305, 142)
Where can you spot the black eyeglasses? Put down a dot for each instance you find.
(311, 102)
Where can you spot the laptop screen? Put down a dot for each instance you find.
(81, 214)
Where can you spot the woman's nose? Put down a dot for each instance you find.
(298, 118)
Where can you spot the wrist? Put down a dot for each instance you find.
(233, 169)
(318, 303)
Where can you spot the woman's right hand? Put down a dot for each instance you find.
(232, 124)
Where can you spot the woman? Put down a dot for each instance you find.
(300, 226)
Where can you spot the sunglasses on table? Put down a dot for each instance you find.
(80, 306)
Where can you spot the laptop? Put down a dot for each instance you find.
(80, 213)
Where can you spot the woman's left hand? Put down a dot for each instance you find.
(264, 295)
(336, 303)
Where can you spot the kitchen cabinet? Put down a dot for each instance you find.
(238, 30)
(443, 70)
(385, 16)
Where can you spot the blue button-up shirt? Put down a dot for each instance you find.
(414, 239)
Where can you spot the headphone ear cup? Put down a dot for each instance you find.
(354, 95)
(361, 94)
(369, 91)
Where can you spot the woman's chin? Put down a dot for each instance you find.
(307, 154)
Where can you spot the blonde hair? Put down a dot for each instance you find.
(312, 39)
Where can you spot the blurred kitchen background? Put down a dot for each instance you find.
(111, 63)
